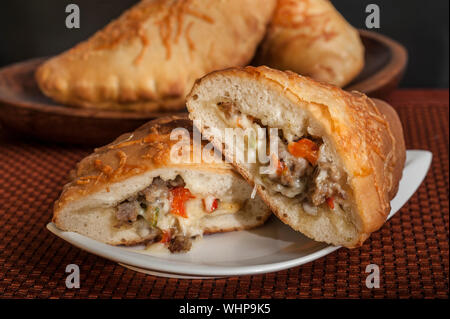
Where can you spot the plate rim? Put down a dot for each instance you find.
(173, 268)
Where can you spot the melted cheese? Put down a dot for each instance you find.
(192, 225)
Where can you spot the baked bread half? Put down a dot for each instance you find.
(339, 155)
(133, 191)
(149, 58)
(311, 37)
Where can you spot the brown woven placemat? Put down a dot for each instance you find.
(411, 249)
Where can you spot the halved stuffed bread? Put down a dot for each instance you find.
(339, 155)
(134, 191)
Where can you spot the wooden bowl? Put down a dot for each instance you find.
(385, 64)
(26, 111)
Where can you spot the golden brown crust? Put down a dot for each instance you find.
(399, 148)
(149, 57)
(131, 154)
(143, 154)
(368, 139)
(311, 38)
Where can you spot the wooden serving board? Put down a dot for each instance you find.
(26, 111)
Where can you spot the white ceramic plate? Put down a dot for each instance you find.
(270, 248)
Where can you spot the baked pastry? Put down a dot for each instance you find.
(338, 156)
(149, 58)
(133, 191)
(310, 37)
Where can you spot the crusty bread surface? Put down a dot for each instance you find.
(128, 165)
(312, 38)
(363, 137)
(149, 57)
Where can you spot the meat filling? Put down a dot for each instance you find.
(152, 204)
(303, 170)
(168, 213)
(128, 211)
(180, 243)
(292, 173)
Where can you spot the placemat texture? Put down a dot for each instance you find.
(411, 249)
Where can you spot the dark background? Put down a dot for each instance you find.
(30, 28)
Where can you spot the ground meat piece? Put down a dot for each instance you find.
(177, 182)
(180, 243)
(297, 166)
(326, 186)
(152, 200)
(127, 211)
(294, 172)
(157, 190)
(310, 184)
